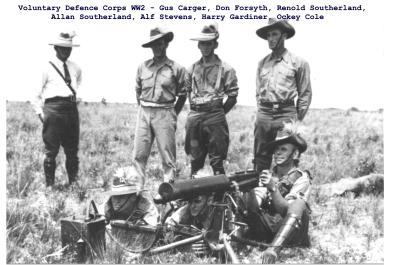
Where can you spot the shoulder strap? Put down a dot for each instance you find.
(218, 82)
(58, 71)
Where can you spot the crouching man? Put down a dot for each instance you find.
(128, 202)
(278, 210)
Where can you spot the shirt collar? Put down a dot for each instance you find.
(283, 56)
(152, 62)
(58, 61)
(274, 170)
(215, 61)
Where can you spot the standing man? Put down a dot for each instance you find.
(278, 210)
(281, 78)
(56, 107)
(159, 82)
(208, 82)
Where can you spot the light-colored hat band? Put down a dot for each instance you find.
(64, 43)
(206, 37)
(124, 189)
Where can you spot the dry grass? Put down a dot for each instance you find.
(341, 144)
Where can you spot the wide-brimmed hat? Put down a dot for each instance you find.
(158, 33)
(209, 32)
(125, 181)
(65, 39)
(288, 134)
(276, 24)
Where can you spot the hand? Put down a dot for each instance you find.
(266, 180)
(40, 117)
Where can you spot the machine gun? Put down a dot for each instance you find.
(188, 189)
(226, 207)
(224, 225)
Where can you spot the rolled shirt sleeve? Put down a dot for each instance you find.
(301, 189)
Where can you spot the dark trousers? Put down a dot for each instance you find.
(264, 226)
(269, 121)
(207, 133)
(61, 127)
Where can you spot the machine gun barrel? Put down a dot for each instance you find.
(131, 226)
(188, 189)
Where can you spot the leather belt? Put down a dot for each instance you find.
(277, 105)
(71, 98)
(207, 106)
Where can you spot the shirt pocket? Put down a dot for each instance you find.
(197, 83)
(286, 77)
(166, 78)
(265, 75)
(211, 78)
(147, 79)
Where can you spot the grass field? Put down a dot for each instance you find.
(342, 143)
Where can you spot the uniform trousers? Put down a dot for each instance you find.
(207, 133)
(269, 121)
(159, 124)
(61, 127)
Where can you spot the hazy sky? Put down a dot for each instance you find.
(344, 56)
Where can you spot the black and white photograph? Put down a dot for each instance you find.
(209, 132)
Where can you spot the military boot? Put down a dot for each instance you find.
(218, 170)
(49, 166)
(290, 225)
(72, 166)
(195, 167)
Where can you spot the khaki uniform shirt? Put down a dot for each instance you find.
(210, 81)
(283, 79)
(295, 184)
(159, 83)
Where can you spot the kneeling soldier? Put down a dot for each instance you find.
(278, 210)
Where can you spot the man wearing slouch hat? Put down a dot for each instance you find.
(212, 90)
(283, 89)
(55, 105)
(161, 94)
(278, 210)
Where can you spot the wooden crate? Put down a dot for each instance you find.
(92, 234)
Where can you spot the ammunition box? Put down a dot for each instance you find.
(84, 239)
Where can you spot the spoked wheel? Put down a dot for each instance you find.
(134, 238)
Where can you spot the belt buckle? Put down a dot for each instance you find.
(275, 105)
